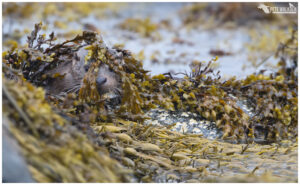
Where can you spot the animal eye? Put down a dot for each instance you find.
(86, 68)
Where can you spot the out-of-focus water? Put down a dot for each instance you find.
(172, 56)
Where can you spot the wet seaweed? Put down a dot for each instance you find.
(115, 138)
(202, 91)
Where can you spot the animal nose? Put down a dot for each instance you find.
(100, 81)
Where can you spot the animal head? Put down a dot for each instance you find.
(68, 77)
(107, 81)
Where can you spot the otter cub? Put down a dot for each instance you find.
(73, 72)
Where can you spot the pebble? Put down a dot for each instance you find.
(197, 131)
(155, 122)
(193, 122)
(184, 128)
(184, 114)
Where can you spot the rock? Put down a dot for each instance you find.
(14, 167)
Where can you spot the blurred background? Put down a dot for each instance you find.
(167, 37)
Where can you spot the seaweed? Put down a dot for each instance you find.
(55, 150)
(202, 91)
(78, 138)
(144, 27)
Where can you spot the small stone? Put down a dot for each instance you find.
(183, 128)
(147, 122)
(160, 110)
(197, 131)
(177, 125)
(193, 122)
(184, 114)
(162, 118)
(155, 122)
